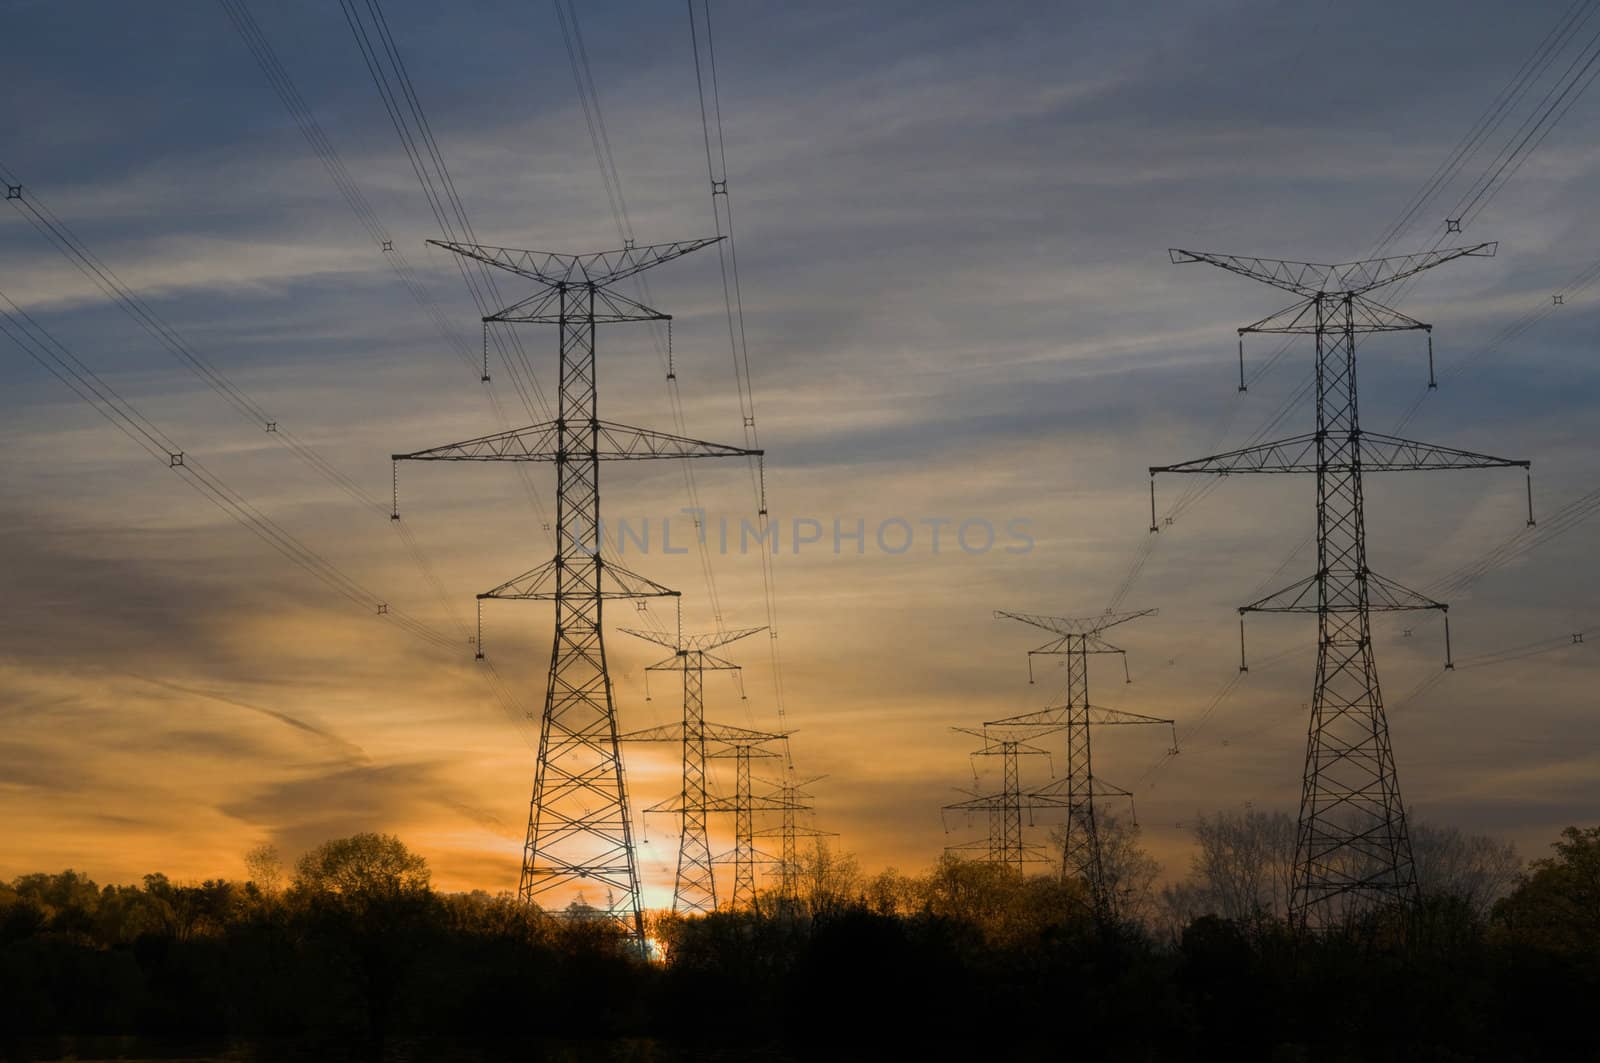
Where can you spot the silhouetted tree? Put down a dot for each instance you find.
(828, 881)
(264, 866)
(360, 954)
(1557, 904)
(1241, 871)
(362, 866)
(1472, 868)
(1128, 873)
(369, 899)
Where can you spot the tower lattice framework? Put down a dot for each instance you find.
(580, 834)
(792, 798)
(695, 884)
(1076, 639)
(1007, 844)
(740, 744)
(744, 804)
(1353, 849)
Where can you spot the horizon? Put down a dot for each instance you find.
(961, 315)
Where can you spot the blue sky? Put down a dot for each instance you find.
(953, 223)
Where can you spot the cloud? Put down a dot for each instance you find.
(303, 812)
(952, 234)
(350, 750)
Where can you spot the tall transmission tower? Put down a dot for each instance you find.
(1076, 638)
(1006, 844)
(579, 830)
(695, 888)
(1352, 849)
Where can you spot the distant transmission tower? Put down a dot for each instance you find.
(1077, 638)
(744, 805)
(792, 798)
(579, 831)
(1006, 845)
(723, 741)
(695, 887)
(1352, 849)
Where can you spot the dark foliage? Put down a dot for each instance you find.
(361, 959)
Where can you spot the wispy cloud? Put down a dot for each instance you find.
(952, 241)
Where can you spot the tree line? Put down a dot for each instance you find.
(355, 955)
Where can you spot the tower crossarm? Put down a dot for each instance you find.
(755, 857)
(725, 804)
(1069, 644)
(1374, 451)
(697, 643)
(741, 741)
(1366, 315)
(597, 268)
(700, 662)
(712, 640)
(796, 788)
(1027, 854)
(538, 584)
(753, 803)
(1057, 714)
(667, 732)
(1310, 279)
(541, 442)
(714, 732)
(1013, 743)
(799, 830)
(1294, 454)
(543, 307)
(1059, 789)
(727, 733)
(1384, 453)
(1384, 595)
(1003, 802)
(1081, 625)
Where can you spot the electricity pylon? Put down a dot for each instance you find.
(695, 888)
(1075, 639)
(1352, 847)
(579, 830)
(792, 798)
(1006, 845)
(730, 742)
(744, 804)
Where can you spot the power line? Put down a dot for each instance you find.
(403, 104)
(600, 140)
(72, 247)
(54, 356)
(733, 302)
(1544, 119)
(393, 255)
(44, 348)
(1526, 76)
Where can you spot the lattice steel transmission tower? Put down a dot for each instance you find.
(579, 830)
(723, 741)
(792, 798)
(695, 888)
(1076, 638)
(1006, 844)
(1352, 850)
(744, 804)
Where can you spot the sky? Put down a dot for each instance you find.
(952, 223)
